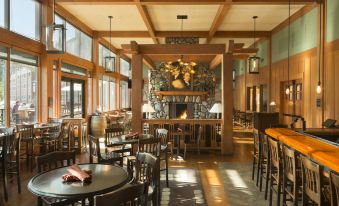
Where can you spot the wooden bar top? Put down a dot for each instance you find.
(322, 152)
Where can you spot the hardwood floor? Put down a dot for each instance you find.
(206, 163)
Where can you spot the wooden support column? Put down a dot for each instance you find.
(227, 101)
(137, 92)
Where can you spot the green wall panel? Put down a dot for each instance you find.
(332, 27)
(263, 53)
(239, 66)
(303, 37)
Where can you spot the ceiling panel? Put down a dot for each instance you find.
(200, 17)
(116, 42)
(239, 17)
(125, 17)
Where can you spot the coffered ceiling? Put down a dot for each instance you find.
(148, 22)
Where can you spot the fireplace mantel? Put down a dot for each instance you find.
(181, 93)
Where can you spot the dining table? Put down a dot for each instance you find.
(105, 178)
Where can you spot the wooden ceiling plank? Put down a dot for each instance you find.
(200, 34)
(221, 13)
(147, 20)
(161, 49)
(181, 2)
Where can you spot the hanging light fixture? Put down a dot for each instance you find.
(253, 61)
(180, 66)
(55, 36)
(288, 48)
(320, 47)
(110, 59)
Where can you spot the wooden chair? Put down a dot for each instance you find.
(312, 182)
(256, 155)
(334, 183)
(51, 161)
(50, 138)
(276, 170)
(151, 145)
(102, 157)
(63, 139)
(112, 133)
(133, 195)
(9, 157)
(292, 176)
(147, 169)
(26, 134)
(192, 140)
(264, 163)
(162, 134)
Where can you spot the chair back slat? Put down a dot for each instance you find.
(111, 133)
(290, 163)
(132, 195)
(151, 145)
(94, 148)
(256, 139)
(275, 153)
(54, 160)
(162, 134)
(334, 180)
(312, 181)
(26, 131)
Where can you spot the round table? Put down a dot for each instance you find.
(105, 178)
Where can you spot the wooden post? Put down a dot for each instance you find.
(137, 92)
(227, 101)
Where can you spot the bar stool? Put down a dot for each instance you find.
(276, 170)
(334, 183)
(292, 176)
(264, 164)
(256, 155)
(313, 184)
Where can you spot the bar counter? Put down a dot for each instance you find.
(322, 152)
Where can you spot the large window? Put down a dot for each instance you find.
(2, 13)
(3, 55)
(103, 52)
(77, 42)
(107, 94)
(25, 17)
(125, 103)
(23, 87)
(124, 67)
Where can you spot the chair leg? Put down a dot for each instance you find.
(185, 150)
(278, 192)
(260, 176)
(4, 177)
(253, 166)
(271, 189)
(267, 180)
(284, 191)
(258, 169)
(18, 173)
(166, 161)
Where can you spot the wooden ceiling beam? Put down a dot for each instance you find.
(161, 49)
(221, 13)
(246, 51)
(216, 61)
(149, 62)
(181, 2)
(200, 34)
(147, 20)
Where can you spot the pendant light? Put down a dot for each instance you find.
(288, 48)
(55, 36)
(110, 59)
(253, 61)
(320, 48)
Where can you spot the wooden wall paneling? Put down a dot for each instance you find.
(336, 74)
(227, 100)
(137, 66)
(307, 93)
(316, 111)
(329, 86)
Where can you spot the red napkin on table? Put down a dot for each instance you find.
(77, 174)
(133, 135)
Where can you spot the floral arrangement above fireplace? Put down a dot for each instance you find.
(203, 80)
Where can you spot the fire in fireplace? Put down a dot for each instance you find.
(181, 111)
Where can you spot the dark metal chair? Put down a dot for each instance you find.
(276, 170)
(51, 161)
(256, 155)
(27, 136)
(313, 183)
(334, 183)
(102, 157)
(264, 163)
(292, 176)
(162, 134)
(133, 195)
